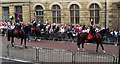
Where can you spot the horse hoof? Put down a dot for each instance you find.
(96, 52)
(25, 47)
(78, 49)
(38, 40)
(12, 45)
(29, 40)
(104, 51)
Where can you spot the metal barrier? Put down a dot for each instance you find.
(54, 55)
(5, 52)
(19, 52)
(46, 55)
(86, 57)
(69, 37)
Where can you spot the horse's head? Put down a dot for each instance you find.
(104, 32)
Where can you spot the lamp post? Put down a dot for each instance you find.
(105, 12)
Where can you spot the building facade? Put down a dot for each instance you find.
(62, 11)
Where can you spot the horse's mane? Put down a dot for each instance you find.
(103, 32)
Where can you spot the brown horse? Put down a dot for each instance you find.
(98, 38)
(18, 33)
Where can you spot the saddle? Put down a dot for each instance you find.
(16, 31)
(91, 36)
(32, 29)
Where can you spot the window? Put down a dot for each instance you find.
(56, 14)
(74, 14)
(39, 13)
(94, 13)
(18, 13)
(5, 14)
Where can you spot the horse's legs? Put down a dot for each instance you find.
(100, 43)
(97, 47)
(12, 41)
(21, 41)
(25, 42)
(102, 47)
(8, 35)
(78, 45)
(83, 46)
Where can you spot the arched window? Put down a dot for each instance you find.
(56, 14)
(18, 14)
(39, 13)
(94, 13)
(6, 14)
(74, 14)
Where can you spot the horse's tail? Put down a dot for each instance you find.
(8, 35)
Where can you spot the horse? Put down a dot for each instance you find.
(98, 38)
(18, 33)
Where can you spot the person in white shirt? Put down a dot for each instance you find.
(12, 26)
(62, 29)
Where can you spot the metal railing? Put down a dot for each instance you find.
(46, 55)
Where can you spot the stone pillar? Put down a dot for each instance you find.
(26, 13)
(0, 12)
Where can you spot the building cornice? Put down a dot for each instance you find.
(14, 1)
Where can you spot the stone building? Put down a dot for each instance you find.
(62, 11)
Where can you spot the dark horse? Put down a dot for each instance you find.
(18, 33)
(98, 38)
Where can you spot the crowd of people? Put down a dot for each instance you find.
(36, 28)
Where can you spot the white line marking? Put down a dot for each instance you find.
(15, 60)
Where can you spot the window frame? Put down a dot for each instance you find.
(74, 14)
(4, 14)
(39, 13)
(94, 7)
(19, 12)
(56, 14)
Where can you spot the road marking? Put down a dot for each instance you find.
(16, 60)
